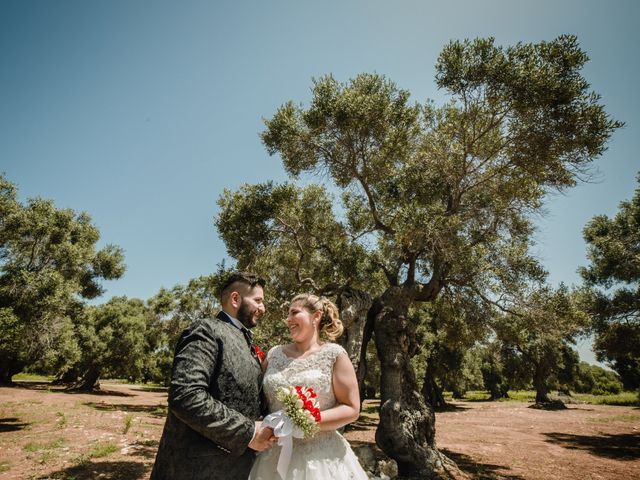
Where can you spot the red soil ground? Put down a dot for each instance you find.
(48, 433)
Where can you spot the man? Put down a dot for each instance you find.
(211, 430)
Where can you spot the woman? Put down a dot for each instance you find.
(325, 367)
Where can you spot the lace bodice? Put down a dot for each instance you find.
(314, 371)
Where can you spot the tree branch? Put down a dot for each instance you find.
(425, 292)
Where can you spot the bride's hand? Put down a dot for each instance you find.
(262, 439)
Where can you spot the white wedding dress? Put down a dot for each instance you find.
(325, 456)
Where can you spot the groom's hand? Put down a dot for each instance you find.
(263, 438)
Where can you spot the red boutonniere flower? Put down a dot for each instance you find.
(259, 353)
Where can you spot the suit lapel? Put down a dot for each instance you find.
(224, 316)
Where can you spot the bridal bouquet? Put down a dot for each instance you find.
(298, 419)
(301, 406)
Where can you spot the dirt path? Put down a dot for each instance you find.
(47, 433)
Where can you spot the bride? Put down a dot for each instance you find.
(325, 367)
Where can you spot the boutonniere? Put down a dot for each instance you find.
(259, 353)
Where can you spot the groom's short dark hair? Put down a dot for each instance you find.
(248, 279)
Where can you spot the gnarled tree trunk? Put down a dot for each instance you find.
(407, 424)
(363, 366)
(430, 390)
(540, 383)
(353, 305)
(90, 380)
(8, 368)
(67, 377)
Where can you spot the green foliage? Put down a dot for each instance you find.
(438, 195)
(31, 377)
(624, 399)
(554, 118)
(537, 332)
(447, 330)
(511, 396)
(290, 236)
(372, 377)
(614, 256)
(369, 112)
(432, 199)
(493, 371)
(113, 340)
(169, 313)
(35, 447)
(596, 380)
(62, 420)
(470, 375)
(103, 449)
(128, 422)
(48, 263)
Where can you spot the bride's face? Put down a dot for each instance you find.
(301, 323)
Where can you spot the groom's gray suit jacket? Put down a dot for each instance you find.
(214, 399)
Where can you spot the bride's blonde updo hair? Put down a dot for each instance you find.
(330, 324)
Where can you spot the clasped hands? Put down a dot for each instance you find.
(263, 438)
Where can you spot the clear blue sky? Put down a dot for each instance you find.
(141, 112)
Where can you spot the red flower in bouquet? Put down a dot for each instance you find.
(306, 395)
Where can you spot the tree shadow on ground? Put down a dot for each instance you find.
(371, 406)
(547, 408)
(625, 446)
(144, 388)
(551, 405)
(65, 388)
(145, 448)
(102, 392)
(363, 423)
(451, 407)
(478, 400)
(480, 471)
(32, 385)
(153, 410)
(102, 470)
(12, 424)
(362, 443)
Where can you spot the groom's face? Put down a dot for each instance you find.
(251, 307)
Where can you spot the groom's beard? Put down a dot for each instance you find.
(248, 316)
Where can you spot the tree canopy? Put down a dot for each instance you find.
(48, 264)
(614, 273)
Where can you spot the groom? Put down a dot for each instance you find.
(215, 394)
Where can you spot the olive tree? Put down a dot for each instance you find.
(49, 265)
(429, 197)
(614, 276)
